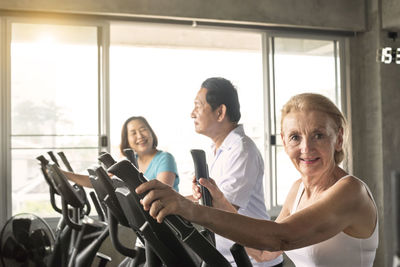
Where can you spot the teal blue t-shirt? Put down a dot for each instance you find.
(162, 162)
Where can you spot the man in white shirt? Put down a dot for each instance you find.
(236, 165)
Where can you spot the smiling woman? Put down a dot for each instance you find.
(138, 135)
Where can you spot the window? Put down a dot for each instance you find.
(54, 105)
(297, 65)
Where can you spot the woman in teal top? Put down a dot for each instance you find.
(138, 135)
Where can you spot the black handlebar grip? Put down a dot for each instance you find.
(72, 194)
(201, 171)
(130, 154)
(52, 190)
(65, 161)
(106, 159)
(97, 206)
(53, 157)
(69, 168)
(133, 178)
(42, 160)
(43, 163)
(240, 256)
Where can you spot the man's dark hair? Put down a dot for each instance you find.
(221, 91)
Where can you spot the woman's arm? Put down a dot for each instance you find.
(161, 200)
(80, 179)
(264, 255)
(167, 178)
(340, 207)
(166, 169)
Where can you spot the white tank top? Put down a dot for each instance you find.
(340, 250)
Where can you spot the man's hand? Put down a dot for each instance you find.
(262, 255)
(218, 199)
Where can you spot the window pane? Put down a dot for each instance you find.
(54, 105)
(156, 72)
(300, 65)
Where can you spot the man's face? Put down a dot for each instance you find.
(205, 119)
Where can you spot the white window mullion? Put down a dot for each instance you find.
(268, 84)
(104, 84)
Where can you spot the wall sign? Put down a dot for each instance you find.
(389, 55)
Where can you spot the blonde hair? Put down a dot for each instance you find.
(317, 102)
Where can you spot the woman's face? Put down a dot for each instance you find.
(310, 139)
(140, 138)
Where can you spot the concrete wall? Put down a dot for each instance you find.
(366, 114)
(391, 14)
(338, 15)
(375, 101)
(390, 101)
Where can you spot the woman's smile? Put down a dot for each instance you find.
(309, 160)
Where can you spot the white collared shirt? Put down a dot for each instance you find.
(238, 169)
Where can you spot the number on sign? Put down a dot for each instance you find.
(386, 55)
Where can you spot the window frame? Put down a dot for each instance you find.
(5, 186)
(102, 28)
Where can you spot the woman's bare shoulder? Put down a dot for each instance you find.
(290, 198)
(350, 189)
(349, 183)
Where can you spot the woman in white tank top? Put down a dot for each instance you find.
(339, 250)
(329, 218)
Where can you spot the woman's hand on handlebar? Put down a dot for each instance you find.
(162, 200)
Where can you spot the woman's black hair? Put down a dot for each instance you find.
(124, 133)
(221, 91)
